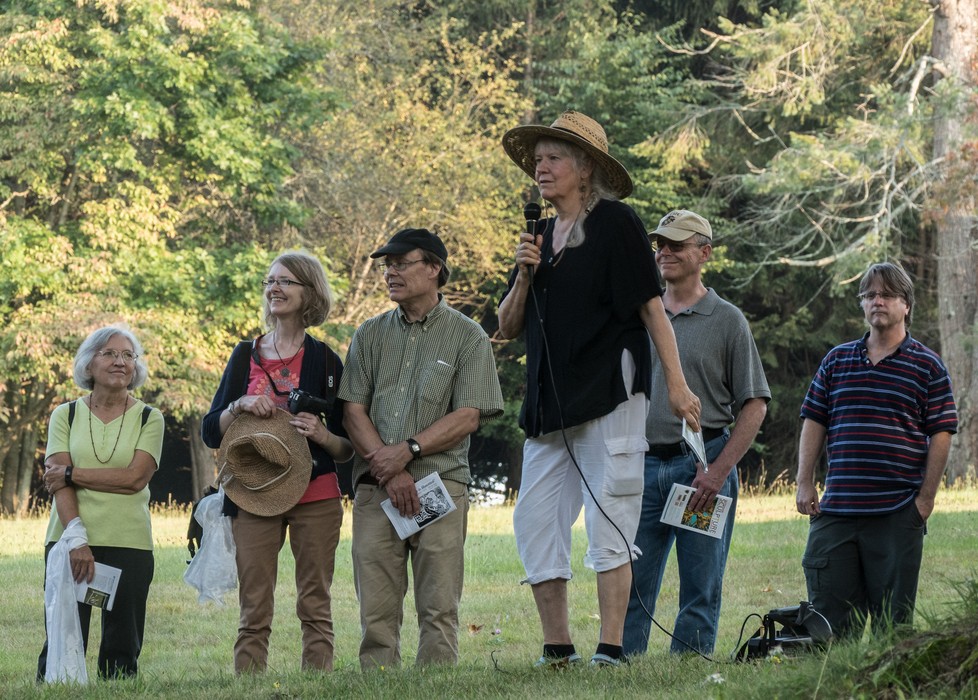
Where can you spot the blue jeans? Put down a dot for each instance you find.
(702, 559)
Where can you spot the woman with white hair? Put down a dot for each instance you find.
(102, 451)
(586, 295)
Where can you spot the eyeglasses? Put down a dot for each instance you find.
(127, 357)
(399, 266)
(676, 247)
(871, 296)
(281, 282)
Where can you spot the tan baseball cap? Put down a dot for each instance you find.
(680, 224)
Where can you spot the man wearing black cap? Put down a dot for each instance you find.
(419, 380)
(723, 368)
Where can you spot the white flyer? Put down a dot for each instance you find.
(695, 441)
(100, 591)
(436, 503)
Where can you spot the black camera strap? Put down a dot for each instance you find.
(256, 356)
(329, 386)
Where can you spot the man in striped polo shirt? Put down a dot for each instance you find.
(884, 406)
(419, 379)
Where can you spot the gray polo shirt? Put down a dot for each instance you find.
(411, 374)
(721, 365)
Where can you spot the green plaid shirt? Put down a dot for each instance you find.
(409, 375)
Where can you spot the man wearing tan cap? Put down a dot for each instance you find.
(723, 368)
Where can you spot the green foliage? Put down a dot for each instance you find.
(145, 148)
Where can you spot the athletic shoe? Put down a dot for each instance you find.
(557, 662)
(604, 660)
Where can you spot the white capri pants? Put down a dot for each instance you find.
(611, 453)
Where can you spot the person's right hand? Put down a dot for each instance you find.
(82, 564)
(528, 252)
(258, 405)
(806, 500)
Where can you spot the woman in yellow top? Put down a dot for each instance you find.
(102, 451)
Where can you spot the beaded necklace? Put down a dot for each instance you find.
(91, 434)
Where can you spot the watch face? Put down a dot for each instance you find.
(415, 447)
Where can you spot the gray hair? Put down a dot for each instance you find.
(598, 186)
(97, 340)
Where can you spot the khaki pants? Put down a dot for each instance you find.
(380, 574)
(314, 531)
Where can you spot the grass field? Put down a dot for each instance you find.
(187, 651)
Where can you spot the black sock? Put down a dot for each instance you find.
(612, 651)
(559, 651)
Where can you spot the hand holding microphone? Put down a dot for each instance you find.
(528, 251)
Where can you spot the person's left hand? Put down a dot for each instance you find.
(54, 477)
(707, 485)
(925, 506)
(310, 427)
(685, 404)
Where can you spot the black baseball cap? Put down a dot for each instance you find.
(406, 240)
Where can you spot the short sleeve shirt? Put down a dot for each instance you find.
(587, 299)
(111, 519)
(879, 419)
(409, 375)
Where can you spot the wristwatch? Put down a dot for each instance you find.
(414, 447)
(68, 471)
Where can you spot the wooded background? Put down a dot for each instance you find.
(155, 156)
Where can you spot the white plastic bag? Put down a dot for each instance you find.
(212, 571)
(66, 650)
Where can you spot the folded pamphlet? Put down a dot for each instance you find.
(707, 522)
(436, 503)
(100, 591)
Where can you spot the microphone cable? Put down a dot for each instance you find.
(570, 453)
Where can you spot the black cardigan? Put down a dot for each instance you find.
(319, 375)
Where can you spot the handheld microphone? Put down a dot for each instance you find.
(531, 212)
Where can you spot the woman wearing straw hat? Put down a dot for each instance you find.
(585, 291)
(261, 465)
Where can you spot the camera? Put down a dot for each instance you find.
(303, 402)
(803, 628)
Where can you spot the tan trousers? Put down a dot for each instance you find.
(380, 574)
(314, 531)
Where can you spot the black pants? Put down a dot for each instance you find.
(122, 627)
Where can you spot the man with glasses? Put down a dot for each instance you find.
(883, 406)
(419, 380)
(723, 368)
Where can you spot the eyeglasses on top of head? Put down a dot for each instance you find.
(282, 282)
(399, 266)
(126, 355)
(871, 296)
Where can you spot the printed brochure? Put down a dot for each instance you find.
(100, 591)
(436, 503)
(707, 522)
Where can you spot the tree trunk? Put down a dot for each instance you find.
(8, 473)
(17, 460)
(953, 43)
(203, 470)
(27, 465)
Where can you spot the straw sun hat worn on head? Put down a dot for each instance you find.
(265, 463)
(520, 145)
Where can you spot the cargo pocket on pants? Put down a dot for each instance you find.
(814, 567)
(625, 472)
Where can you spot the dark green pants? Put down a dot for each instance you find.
(860, 567)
